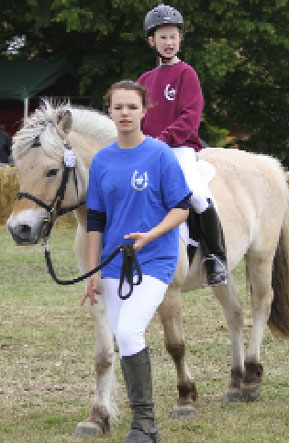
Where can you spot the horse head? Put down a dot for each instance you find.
(38, 151)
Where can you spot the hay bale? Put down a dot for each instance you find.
(9, 186)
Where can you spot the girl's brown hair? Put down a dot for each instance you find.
(128, 85)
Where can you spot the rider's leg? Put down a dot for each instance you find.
(213, 245)
(187, 158)
(212, 239)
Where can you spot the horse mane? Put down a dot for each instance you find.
(42, 123)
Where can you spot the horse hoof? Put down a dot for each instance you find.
(184, 412)
(251, 392)
(87, 428)
(232, 396)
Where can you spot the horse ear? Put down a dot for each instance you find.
(64, 122)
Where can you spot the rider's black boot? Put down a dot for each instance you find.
(213, 246)
(137, 375)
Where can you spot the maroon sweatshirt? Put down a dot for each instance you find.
(177, 102)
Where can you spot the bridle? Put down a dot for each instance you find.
(55, 210)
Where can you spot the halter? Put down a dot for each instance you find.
(54, 209)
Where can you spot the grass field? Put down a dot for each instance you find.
(47, 361)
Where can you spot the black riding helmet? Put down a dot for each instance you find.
(162, 15)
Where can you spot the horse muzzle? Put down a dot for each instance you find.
(25, 230)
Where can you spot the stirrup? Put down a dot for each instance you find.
(212, 257)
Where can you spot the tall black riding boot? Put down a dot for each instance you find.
(137, 375)
(213, 246)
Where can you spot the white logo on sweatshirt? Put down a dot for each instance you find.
(170, 93)
(139, 181)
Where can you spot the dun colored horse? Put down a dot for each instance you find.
(252, 198)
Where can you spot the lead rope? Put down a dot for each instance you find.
(127, 271)
(129, 261)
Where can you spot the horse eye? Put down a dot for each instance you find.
(51, 172)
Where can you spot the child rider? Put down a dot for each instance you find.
(174, 117)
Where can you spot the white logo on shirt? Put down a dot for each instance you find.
(170, 93)
(139, 181)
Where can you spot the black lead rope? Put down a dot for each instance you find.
(129, 263)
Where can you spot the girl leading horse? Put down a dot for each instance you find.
(252, 198)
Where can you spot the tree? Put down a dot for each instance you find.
(240, 49)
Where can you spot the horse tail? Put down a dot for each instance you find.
(279, 316)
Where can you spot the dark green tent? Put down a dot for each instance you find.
(20, 79)
(23, 79)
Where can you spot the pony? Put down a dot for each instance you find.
(251, 193)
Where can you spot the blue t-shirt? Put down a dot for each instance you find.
(136, 188)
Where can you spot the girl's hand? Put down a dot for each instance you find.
(92, 288)
(141, 239)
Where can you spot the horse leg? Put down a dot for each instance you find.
(98, 421)
(232, 308)
(171, 317)
(261, 297)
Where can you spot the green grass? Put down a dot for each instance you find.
(47, 361)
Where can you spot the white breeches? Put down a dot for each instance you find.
(188, 160)
(129, 318)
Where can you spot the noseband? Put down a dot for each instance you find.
(54, 209)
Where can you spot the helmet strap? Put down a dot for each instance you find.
(165, 60)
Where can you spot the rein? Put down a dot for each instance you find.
(54, 209)
(128, 264)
